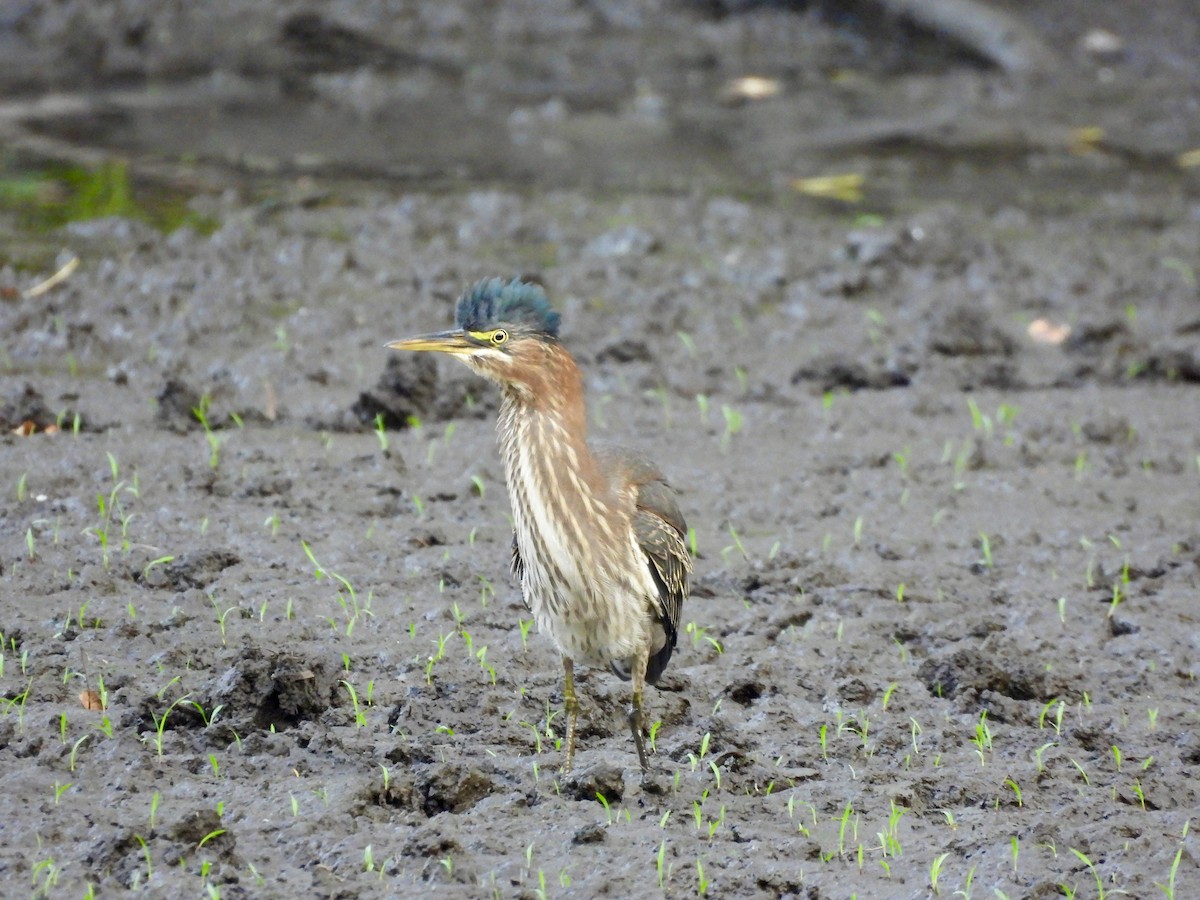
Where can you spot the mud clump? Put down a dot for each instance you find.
(966, 331)
(603, 778)
(835, 371)
(26, 408)
(406, 391)
(452, 787)
(264, 690)
(965, 674)
(197, 569)
(177, 403)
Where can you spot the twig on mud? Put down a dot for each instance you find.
(996, 36)
(54, 280)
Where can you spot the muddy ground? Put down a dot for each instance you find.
(938, 448)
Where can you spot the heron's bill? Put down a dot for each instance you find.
(454, 342)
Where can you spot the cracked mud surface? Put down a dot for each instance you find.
(943, 620)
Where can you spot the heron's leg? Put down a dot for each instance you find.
(640, 661)
(572, 707)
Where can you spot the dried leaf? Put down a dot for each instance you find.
(847, 188)
(1189, 160)
(749, 88)
(91, 700)
(1043, 331)
(1085, 140)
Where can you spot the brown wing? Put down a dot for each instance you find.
(661, 533)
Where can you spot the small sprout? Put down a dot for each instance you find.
(935, 873)
(1082, 773)
(733, 424)
(1016, 789)
(887, 694)
(985, 545)
(75, 750)
(1169, 888)
(1100, 892)
(607, 809)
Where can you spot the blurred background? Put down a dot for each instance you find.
(133, 105)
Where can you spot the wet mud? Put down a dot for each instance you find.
(942, 465)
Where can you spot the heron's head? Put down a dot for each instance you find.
(504, 330)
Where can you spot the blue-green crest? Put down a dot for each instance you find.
(494, 302)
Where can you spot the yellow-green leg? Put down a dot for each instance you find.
(635, 713)
(572, 706)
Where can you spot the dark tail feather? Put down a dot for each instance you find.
(654, 668)
(658, 663)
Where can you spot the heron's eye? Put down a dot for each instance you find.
(499, 336)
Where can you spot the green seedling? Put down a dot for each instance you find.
(346, 595)
(1100, 892)
(75, 750)
(17, 702)
(1016, 789)
(700, 634)
(983, 738)
(1082, 773)
(985, 546)
(160, 723)
(607, 809)
(733, 425)
(221, 616)
(887, 694)
(935, 873)
(1169, 888)
(435, 658)
(214, 440)
(208, 718)
(360, 718)
(736, 545)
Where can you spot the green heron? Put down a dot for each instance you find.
(598, 540)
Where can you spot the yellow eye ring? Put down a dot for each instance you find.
(499, 336)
